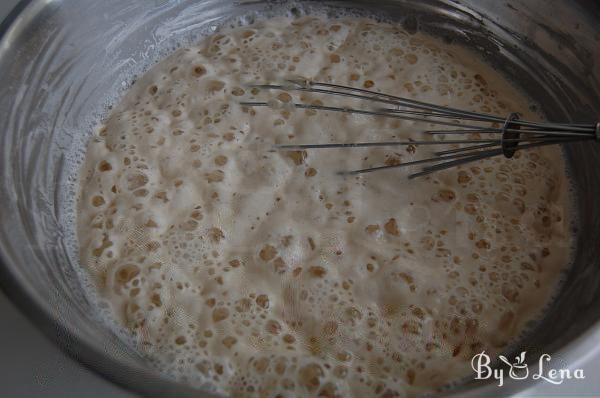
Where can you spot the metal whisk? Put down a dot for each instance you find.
(506, 135)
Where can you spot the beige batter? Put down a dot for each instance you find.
(260, 273)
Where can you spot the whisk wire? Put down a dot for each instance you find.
(513, 133)
(309, 86)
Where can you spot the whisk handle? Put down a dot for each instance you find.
(598, 131)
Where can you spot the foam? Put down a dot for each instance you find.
(257, 273)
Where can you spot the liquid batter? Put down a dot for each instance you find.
(258, 273)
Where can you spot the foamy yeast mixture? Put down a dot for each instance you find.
(260, 273)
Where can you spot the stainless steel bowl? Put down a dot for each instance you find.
(62, 62)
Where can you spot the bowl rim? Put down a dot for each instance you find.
(138, 381)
